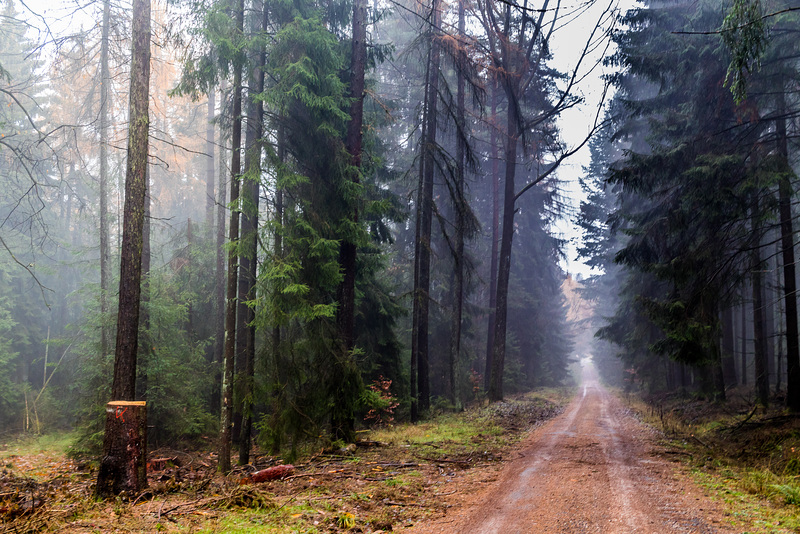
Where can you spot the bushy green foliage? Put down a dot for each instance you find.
(790, 493)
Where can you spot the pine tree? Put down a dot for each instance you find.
(690, 191)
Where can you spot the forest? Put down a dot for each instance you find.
(279, 222)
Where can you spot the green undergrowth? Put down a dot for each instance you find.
(746, 457)
(395, 477)
(494, 426)
(401, 489)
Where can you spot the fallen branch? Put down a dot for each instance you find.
(399, 466)
(700, 441)
(369, 443)
(445, 460)
(390, 503)
(745, 420)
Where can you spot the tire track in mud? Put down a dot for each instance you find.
(592, 469)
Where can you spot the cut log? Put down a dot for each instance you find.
(271, 473)
(123, 466)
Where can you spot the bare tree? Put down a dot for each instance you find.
(518, 37)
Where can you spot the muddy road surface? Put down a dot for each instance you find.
(594, 468)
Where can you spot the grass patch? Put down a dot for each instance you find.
(747, 458)
(486, 426)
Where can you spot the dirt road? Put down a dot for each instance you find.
(594, 468)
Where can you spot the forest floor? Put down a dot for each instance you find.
(395, 477)
(535, 463)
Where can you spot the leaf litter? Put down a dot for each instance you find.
(377, 486)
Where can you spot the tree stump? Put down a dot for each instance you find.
(123, 466)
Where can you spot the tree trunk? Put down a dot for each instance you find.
(219, 309)
(124, 463)
(420, 401)
(279, 368)
(504, 271)
(105, 80)
(124, 383)
(347, 253)
(145, 352)
(189, 282)
(717, 371)
(133, 218)
(226, 414)
(759, 333)
(210, 164)
(743, 336)
(728, 347)
(278, 237)
(769, 312)
(250, 202)
(495, 235)
(460, 204)
(789, 279)
(342, 412)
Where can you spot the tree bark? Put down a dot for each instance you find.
(420, 401)
(250, 202)
(495, 155)
(504, 269)
(210, 164)
(789, 277)
(105, 80)
(124, 384)
(144, 320)
(460, 204)
(759, 333)
(124, 463)
(226, 414)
